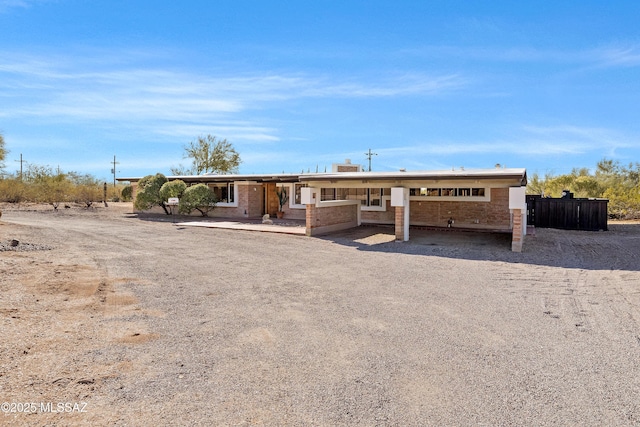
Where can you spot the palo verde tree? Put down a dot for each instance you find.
(210, 155)
(198, 197)
(148, 194)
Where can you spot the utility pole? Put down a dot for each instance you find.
(113, 171)
(21, 162)
(369, 155)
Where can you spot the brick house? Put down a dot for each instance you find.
(346, 197)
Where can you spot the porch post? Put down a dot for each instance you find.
(518, 208)
(400, 200)
(517, 233)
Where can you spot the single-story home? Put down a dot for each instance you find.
(483, 199)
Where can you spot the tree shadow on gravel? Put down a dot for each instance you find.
(616, 249)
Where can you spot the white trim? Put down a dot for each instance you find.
(328, 203)
(381, 208)
(292, 196)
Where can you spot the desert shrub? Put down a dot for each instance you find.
(172, 189)
(198, 197)
(148, 194)
(88, 194)
(618, 183)
(127, 193)
(13, 190)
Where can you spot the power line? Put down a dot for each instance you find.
(114, 169)
(369, 155)
(21, 162)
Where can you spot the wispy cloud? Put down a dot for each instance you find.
(177, 102)
(618, 56)
(7, 5)
(524, 143)
(614, 55)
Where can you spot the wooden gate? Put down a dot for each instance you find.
(568, 214)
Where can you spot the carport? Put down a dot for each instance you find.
(491, 199)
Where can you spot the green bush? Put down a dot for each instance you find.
(127, 193)
(148, 194)
(198, 197)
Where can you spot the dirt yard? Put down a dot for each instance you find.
(110, 318)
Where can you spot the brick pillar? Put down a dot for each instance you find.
(311, 218)
(517, 234)
(400, 223)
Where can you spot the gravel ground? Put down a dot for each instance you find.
(150, 323)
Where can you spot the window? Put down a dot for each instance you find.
(366, 196)
(327, 194)
(374, 196)
(297, 193)
(447, 192)
(224, 191)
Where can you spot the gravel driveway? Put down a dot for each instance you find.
(149, 323)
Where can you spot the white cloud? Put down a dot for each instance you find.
(145, 100)
(525, 142)
(7, 5)
(617, 56)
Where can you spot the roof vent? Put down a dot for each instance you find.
(403, 169)
(347, 161)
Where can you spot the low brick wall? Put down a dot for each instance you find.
(297, 213)
(331, 218)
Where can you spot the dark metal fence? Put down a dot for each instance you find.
(567, 213)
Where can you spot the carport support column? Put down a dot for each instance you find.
(518, 230)
(400, 200)
(308, 197)
(518, 207)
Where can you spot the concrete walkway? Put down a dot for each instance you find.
(248, 226)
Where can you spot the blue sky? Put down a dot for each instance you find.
(426, 85)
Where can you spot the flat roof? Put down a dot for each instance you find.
(503, 173)
(277, 177)
(518, 174)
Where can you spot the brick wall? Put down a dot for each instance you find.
(296, 213)
(348, 168)
(493, 214)
(517, 233)
(379, 217)
(399, 225)
(332, 218)
(255, 200)
(250, 204)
